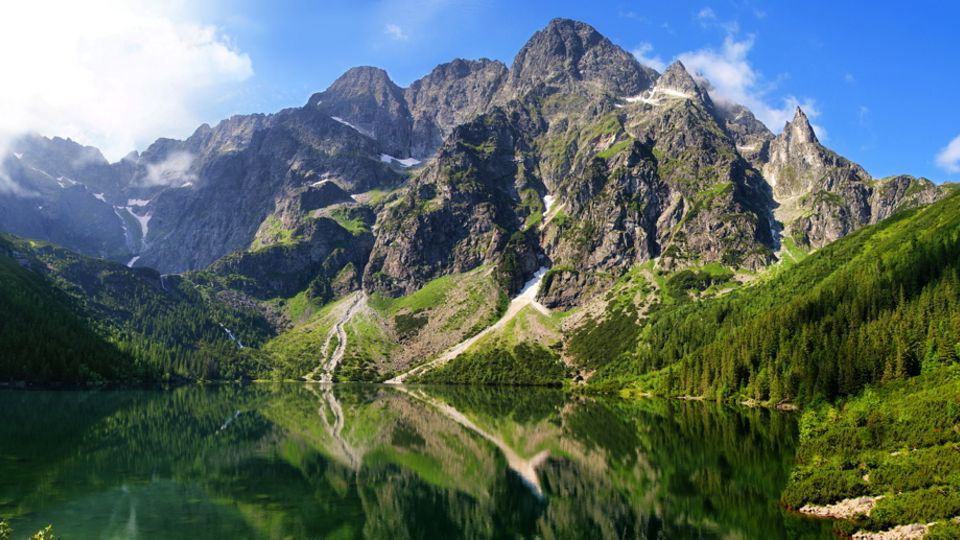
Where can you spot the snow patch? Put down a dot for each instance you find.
(320, 183)
(144, 222)
(548, 201)
(351, 126)
(100, 196)
(133, 261)
(64, 181)
(408, 162)
(18, 155)
(650, 97)
(138, 202)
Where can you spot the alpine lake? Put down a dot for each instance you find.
(375, 461)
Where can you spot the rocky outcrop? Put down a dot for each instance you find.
(452, 94)
(463, 209)
(821, 196)
(366, 99)
(315, 262)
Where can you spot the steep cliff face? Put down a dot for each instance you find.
(663, 179)
(821, 196)
(462, 210)
(366, 99)
(452, 94)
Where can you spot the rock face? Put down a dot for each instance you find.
(282, 270)
(576, 157)
(572, 56)
(821, 196)
(367, 99)
(452, 94)
(461, 212)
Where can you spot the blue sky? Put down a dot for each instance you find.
(879, 83)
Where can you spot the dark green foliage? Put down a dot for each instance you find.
(606, 340)
(45, 339)
(76, 319)
(901, 440)
(871, 307)
(680, 284)
(526, 365)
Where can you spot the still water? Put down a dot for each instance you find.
(310, 461)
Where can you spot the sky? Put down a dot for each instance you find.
(879, 84)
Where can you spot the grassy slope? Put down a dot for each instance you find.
(523, 352)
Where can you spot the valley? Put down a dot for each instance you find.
(579, 222)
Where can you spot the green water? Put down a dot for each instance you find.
(306, 461)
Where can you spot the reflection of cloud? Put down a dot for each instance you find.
(172, 171)
(113, 74)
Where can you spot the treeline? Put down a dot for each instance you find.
(873, 307)
(69, 318)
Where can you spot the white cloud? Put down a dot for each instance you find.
(172, 171)
(111, 74)
(394, 31)
(849, 78)
(708, 19)
(642, 53)
(732, 79)
(949, 158)
(706, 14)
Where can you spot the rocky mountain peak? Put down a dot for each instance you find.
(450, 95)
(366, 100)
(799, 129)
(362, 80)
(567, 52)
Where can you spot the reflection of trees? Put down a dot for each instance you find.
(319, 461)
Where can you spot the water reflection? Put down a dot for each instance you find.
(319, 461)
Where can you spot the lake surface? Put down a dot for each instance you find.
(311, 461)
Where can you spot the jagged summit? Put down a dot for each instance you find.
(566, 52)
(799, 129)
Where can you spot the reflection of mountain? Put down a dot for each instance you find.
(311, 461)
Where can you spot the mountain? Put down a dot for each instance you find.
(377, 227)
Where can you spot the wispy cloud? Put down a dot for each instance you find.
(708, 19)
(644, 56)
(174, 170)
(949, 158)
(113, 74)
(849, 78)
(395, 31)
(732, 79)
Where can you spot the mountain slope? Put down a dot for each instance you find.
(874, 306)
(157, 326)
(44, 337)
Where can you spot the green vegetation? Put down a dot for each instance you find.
(900, 440)
(869, 308)
(525, 364)
(294, 353)
(350, 220)
(74, 319)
